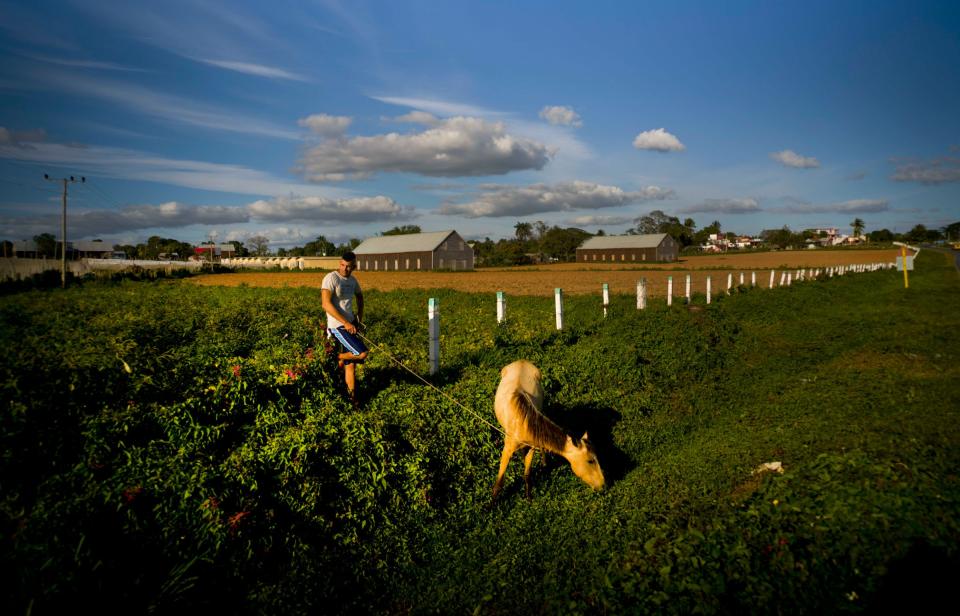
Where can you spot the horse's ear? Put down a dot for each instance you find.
(585, 437)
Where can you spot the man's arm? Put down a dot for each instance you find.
(326, 300)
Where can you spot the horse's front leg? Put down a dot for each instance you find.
(527, 463)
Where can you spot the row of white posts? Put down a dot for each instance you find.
(786, 279)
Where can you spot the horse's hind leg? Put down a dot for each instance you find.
(508, 448)
(527, 463)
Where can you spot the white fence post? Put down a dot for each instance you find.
(606, 298)
(558, 303)
(789, 279)
(741, 279)
(772, 273)
(687, 293)
(708, 289)
(753, 279)
(729, 283)
(433, 315)
(642, 294)
(669, 290)
(501, 307)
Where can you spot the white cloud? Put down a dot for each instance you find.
(937, 171)
(319, 209)
(562, 197)
(454, 147)
(789, 158)
(170, 215)
(598, 221)
(659, 140)
(326, 125)
(258, 70)
(561, 116)
(417, 117)
(724, 206)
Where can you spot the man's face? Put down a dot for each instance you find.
(346, 268)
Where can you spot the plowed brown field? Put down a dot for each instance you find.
(577, 278)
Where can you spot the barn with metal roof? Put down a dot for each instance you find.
(628, 249)
(437, 250)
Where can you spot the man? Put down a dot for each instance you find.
(338, 292)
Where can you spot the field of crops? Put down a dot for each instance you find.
(578, 278)
(168, 446)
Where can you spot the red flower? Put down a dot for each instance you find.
(131, 494)
(212, 503)
(236, 370)
(291, 374)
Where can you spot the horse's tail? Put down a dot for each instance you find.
(541, 432)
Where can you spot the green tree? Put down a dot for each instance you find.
(524, 231)
(402, 230)
(952, 231)
(46, 244)
(562, 244)
(880, 235)
(858, 226)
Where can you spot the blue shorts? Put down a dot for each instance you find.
(350, 343)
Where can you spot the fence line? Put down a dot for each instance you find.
(786, 279)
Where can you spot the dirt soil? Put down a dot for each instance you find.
(579, 278)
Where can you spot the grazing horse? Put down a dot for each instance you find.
(517, 404)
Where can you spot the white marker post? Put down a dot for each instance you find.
(729, 283)
(772, 273)
(753, 279)
(606, 299)
(642, 294)
(501, 308)
(669, 290)
(433, 316)
(741, 279)
(687, 293)
(558, 303)
(708, 289)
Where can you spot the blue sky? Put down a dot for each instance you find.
(199, 119)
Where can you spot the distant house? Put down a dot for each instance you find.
(628, 249)
(81, 249)
(91, 249)
(415, 251)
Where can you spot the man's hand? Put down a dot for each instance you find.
(350, 328)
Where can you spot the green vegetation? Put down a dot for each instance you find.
(171, 447)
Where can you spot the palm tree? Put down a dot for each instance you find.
(858, 226)
(523, 231)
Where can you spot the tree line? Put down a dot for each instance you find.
(532, 241)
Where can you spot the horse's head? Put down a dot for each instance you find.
(583, 461)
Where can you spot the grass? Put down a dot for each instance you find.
(849, 382)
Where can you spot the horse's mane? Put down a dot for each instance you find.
(540, 429)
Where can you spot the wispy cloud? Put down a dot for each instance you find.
(724, 206)
(129, 164)
(789, 158)
(258, 70)
(562, 197)
(88, 64)
(936, 171)
(658, 140)
(854, 206)
(165, 107)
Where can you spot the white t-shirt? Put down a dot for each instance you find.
(343, 291)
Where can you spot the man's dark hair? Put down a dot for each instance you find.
(349, 257)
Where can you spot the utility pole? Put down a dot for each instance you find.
(63, 226)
